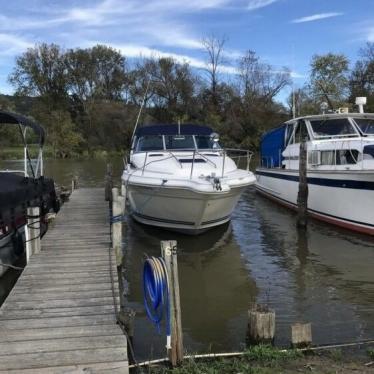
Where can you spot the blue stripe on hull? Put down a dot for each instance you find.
(328, 182)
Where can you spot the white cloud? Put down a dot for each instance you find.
(256, 4)
(12, 44)
(370, 34)
(136, 51)
(316, 17)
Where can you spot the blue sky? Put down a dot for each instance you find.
(282, 32)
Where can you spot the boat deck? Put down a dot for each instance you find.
(61, 315)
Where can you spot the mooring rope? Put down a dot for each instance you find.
(156, 293)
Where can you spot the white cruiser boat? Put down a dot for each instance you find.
(179, 178)
(340, 167)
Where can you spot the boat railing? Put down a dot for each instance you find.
(31, 167)
(235, 154)
(241, 153)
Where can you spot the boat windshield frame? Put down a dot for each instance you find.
(356, 133)
(166, 149)
(364, 133)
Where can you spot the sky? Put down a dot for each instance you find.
(282, 32)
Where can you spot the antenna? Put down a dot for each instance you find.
(293, 84)
(293, 101)
(140, 110)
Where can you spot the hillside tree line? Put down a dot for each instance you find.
(89, 98)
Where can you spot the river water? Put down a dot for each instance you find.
(323, 275)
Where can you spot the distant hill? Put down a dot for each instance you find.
(19, 104)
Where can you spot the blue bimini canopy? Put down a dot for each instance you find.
(272, 146)
(185, 129)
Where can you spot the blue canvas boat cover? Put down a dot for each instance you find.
(272, 146)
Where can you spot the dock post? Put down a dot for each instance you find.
(301, 334)
(302, 196)
(117, 203)
(261, 325)
(124, 195)
(32, 232)
(108, 182)
(169, 253)
(74, 183)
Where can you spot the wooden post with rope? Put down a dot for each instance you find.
(302, 196)
(169, 253)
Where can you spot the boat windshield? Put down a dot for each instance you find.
(366, 125)
(176, 142)
(150, 143)
(179, 142)
(328, 128)
(206, 142)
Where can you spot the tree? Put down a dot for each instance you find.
(40, 71)
(361, 81)
(172, 88)
(214, 48)
(258, 80)
(93, 75)
(329, 78)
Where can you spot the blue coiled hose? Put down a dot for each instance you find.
(156, 292)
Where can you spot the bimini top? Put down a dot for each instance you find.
(185, 129)
(18, 119)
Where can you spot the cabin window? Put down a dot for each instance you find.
(365, 125)
(332, 128)
(301, 132)
(340, 157)
(179, 142)
(206, 142)
(150, 143)
(289, 132)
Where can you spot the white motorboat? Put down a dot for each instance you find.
(340, 167)
(179, 178)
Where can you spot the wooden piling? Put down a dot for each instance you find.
(74, 183)
(301, 335)
(117, 209)
(302, 196)
(261, 325)
(32, 232)
(108, 182)
(169, 253)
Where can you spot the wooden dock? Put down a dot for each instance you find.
(60, 316)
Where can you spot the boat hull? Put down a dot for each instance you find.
(182, 210)
(345, 199)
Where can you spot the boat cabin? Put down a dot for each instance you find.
(339, 141)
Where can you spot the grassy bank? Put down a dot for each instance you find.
(269, 360)
(16, 153)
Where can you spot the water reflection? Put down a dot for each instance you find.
(216, 288)
(323, 275)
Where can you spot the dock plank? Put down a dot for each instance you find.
(61, 315)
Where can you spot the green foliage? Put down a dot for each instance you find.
(88, 99)
(336, 354)
(370, 352)
(329, 78)
(257, 360)
(269, 355)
